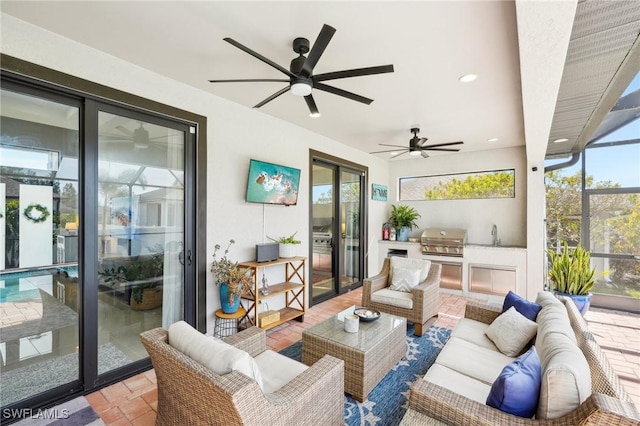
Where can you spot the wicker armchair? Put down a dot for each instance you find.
(425, 297)
(189, 393)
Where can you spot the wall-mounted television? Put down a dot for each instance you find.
(272, 184)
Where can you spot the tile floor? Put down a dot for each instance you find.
(134, 401)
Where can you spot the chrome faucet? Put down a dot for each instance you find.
(494, 232)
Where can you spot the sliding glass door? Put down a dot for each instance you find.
(94, 244)
(338, 194)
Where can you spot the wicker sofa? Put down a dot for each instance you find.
(190, 393)
(437, 398)
(417, 306)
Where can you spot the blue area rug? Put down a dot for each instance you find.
(387, 402)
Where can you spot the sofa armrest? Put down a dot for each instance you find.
(449, 407)
(483, 313)
(252, 340)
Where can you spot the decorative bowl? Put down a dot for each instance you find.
(366, 314)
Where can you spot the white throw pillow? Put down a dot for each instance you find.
(407, 262)
(405, 279)
(216, 355)
(511, 332)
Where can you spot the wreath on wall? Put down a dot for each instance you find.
(44, 213)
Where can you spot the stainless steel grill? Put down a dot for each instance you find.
(322, 242)
(443, 242)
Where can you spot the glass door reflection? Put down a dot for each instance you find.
(140, 234)
(323, 220)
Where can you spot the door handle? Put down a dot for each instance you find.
(188, 257)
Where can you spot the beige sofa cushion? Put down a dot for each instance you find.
(399, 299)
(472, 360)
(473, 331)
(552, 318)
(566, 377)
(277, 370)
(458, 383)
(216, 355)
(409, 263)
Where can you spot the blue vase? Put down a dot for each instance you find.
(403, 234)
(581, 301)
(228, 308)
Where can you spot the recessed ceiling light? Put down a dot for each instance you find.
(560, 140)
(468, 78)
(414, 153)
(492, 140)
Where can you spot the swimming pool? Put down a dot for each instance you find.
(26, 284)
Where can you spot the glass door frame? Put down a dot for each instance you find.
(27, 77)
(339, 165)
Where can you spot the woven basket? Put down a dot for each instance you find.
(151, 299)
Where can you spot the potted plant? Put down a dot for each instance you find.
(231, 279)
(571, 275)
(287, 245)
(403, 218)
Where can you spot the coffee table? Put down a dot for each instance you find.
(368, 355)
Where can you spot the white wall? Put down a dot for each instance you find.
(476, 216)
(235, 134)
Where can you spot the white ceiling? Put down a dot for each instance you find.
(430, 43)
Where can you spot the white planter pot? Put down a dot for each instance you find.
(288, 250)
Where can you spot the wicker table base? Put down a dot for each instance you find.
(368, 355)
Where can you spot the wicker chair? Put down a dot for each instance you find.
(189, 393)
(425, 297)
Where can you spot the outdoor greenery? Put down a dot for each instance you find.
(485, 185)
(572, 273)
(614, 226)
(403, 215)
(286, 240)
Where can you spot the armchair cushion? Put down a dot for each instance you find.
(277, 370)
(216, 355)
(409, 263)
(511, 332)
(399, 299)
(405, 279)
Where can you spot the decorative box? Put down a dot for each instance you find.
(268, 317)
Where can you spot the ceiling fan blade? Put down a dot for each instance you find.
(397, 155)
(426, 148)
(424, 154)
(259, 56)
(313, 109)
(125, 130)
(326, 33)
(343, 93)
(357, 72)
(444, 144)
(421, 142)
(399, 146)
(250, 80)
(388, 150)
(272, 97)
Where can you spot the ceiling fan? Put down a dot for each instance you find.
(139, 136)
(417, 146)
(300, 73)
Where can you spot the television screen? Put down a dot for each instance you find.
(272, 184)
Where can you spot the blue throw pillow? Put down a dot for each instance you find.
(517, 389)
(522, 305)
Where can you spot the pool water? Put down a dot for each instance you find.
(26, 285)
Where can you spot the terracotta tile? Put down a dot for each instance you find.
(147, 419)
(120, 422)
(111, 415)
(137, 382)
(150, 396)
(97, 401)
(115, 392)
(135, 408)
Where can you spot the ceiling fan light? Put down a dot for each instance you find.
(301, 89)
(414, 153)
(467, 78)
(314, 114)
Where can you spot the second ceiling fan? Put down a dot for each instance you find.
(300, 73)
(418, 146)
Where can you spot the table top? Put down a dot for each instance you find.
(238, 314)
(368, 335)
